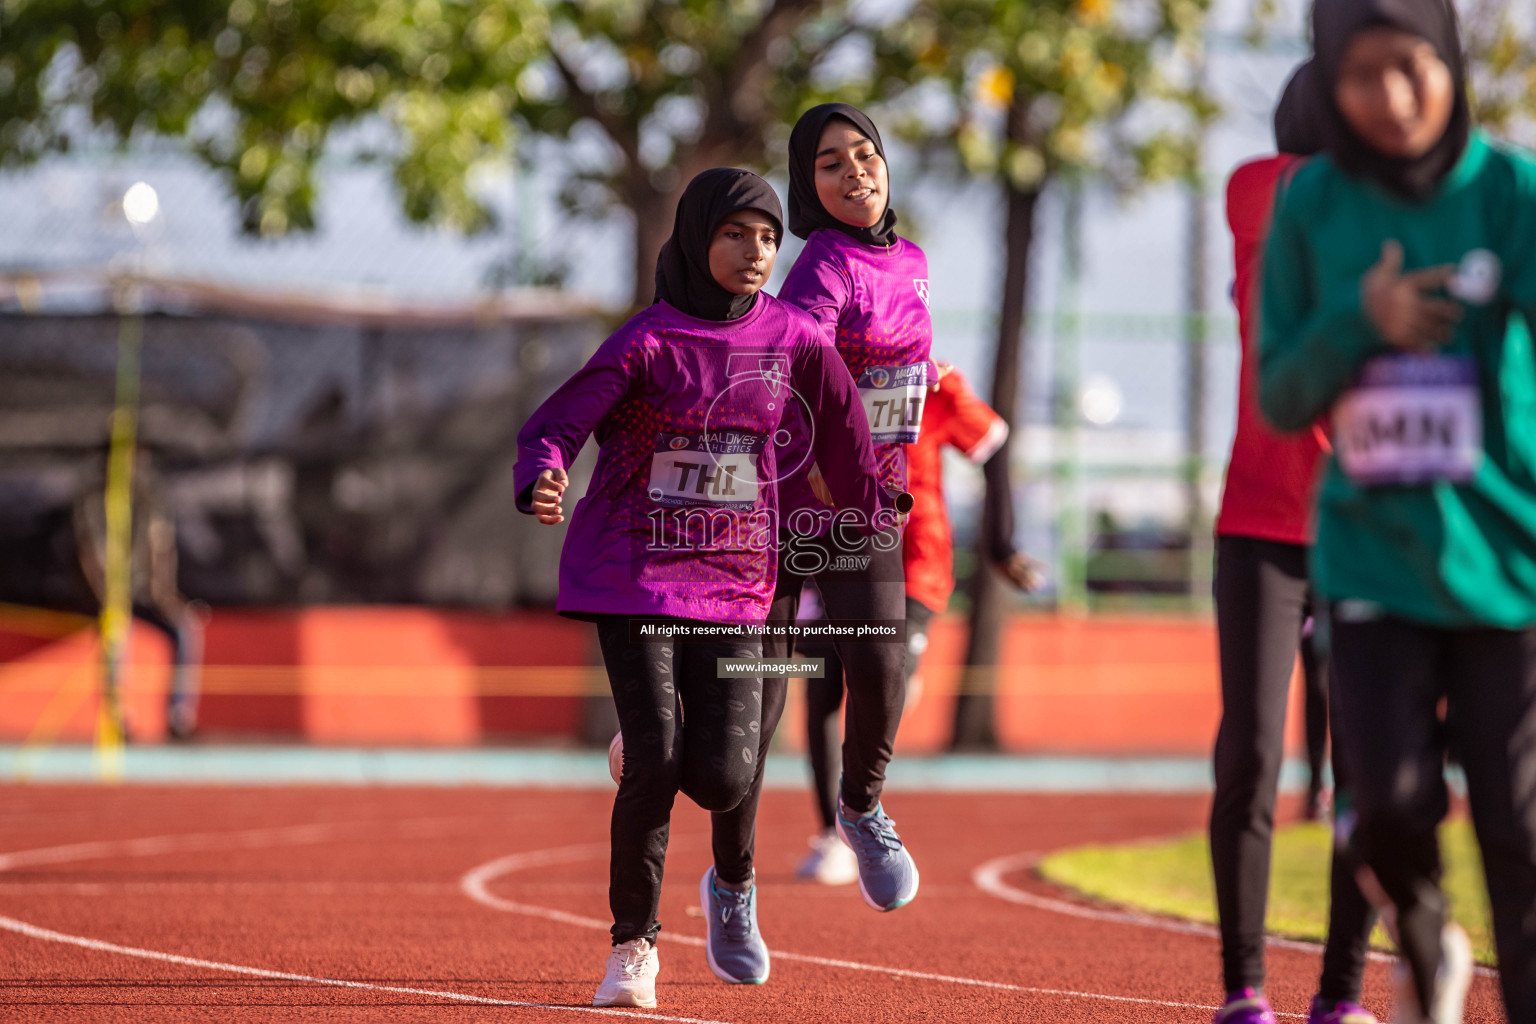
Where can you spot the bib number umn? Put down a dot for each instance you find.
(1411, 420)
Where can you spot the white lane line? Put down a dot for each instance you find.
(275, 888)
(475, 884)
(253, 838)
(48, 935)
(988, 878)
(249, 839)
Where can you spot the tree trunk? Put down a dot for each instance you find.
(974, 708)
(653, 211)
(1196, 354)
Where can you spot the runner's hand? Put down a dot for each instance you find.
(1022, 571)
(548, 490)
(819, 486)
(1401, 307)
(945, 369)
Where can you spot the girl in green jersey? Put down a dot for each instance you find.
(1399, 272)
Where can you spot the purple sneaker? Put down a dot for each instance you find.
(1245, 1006)
(1344, 1012)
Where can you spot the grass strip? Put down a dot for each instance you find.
(1172, 877)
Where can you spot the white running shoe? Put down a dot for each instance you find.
(830, 862)
(616, 757)
(1451, 983)
(631, 978)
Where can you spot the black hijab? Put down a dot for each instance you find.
(806, 214)
(1334, 24)
(1298, 127)
(683, 279)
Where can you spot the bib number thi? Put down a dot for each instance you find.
(893, 401)
(718, 469)
(1411, 420)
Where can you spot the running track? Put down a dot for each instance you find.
(307, 904)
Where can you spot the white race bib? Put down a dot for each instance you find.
(893, 400)
(1411, 420)
(718, 468)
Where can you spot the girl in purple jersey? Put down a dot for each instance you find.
(868, 289)
(676, 536)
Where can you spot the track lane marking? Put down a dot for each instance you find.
(49, 935)
(475, 882)
(252, 839)
(988, 877)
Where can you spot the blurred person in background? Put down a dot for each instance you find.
(1263, 606)
(1399, 279)
(953, 415)
(156, 598)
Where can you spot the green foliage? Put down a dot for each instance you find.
(1042, 87)
(680, 85)
(257, 87)
(1503, 67)
(1173, 877)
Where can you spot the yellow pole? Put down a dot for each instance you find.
(117, 603)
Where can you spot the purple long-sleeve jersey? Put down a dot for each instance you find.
(690, 417)
(872, 303)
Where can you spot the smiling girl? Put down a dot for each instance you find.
(868, 289)
(1396, 276)
(675, 536)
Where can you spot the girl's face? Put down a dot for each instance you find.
(850, 175)
(741, 251)
(1395, 92)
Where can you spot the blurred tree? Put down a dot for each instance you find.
(257, 89)
(677, 86)
(1502, 55)
(1039, 91)
(259, 86)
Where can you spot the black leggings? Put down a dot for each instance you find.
(1261, 602)
(869, 587)
(684, 730)
(824, 699)
(1314, 677)
(1391, 676)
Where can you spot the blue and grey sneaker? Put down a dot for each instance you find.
(887, 874)
(736, 950)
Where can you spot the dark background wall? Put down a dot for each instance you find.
(319, 461)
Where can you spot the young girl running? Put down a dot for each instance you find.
(868, 289)
(1392, 271)
(1262, 600)
(677, 530)
(953, 415)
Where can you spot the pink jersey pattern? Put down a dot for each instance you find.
(873, 303)
(690, 420)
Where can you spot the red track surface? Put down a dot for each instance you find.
(373, 895)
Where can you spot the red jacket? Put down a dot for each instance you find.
(1271, 477)
(952, 415)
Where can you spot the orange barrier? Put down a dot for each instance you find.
(383, 675)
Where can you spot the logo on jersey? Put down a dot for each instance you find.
(1477, 277)
(775, 373)
(771, 368)
(921, 284)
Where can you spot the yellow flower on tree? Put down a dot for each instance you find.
(1093, 12)
(995, 86)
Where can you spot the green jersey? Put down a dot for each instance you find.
(1427, 508)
